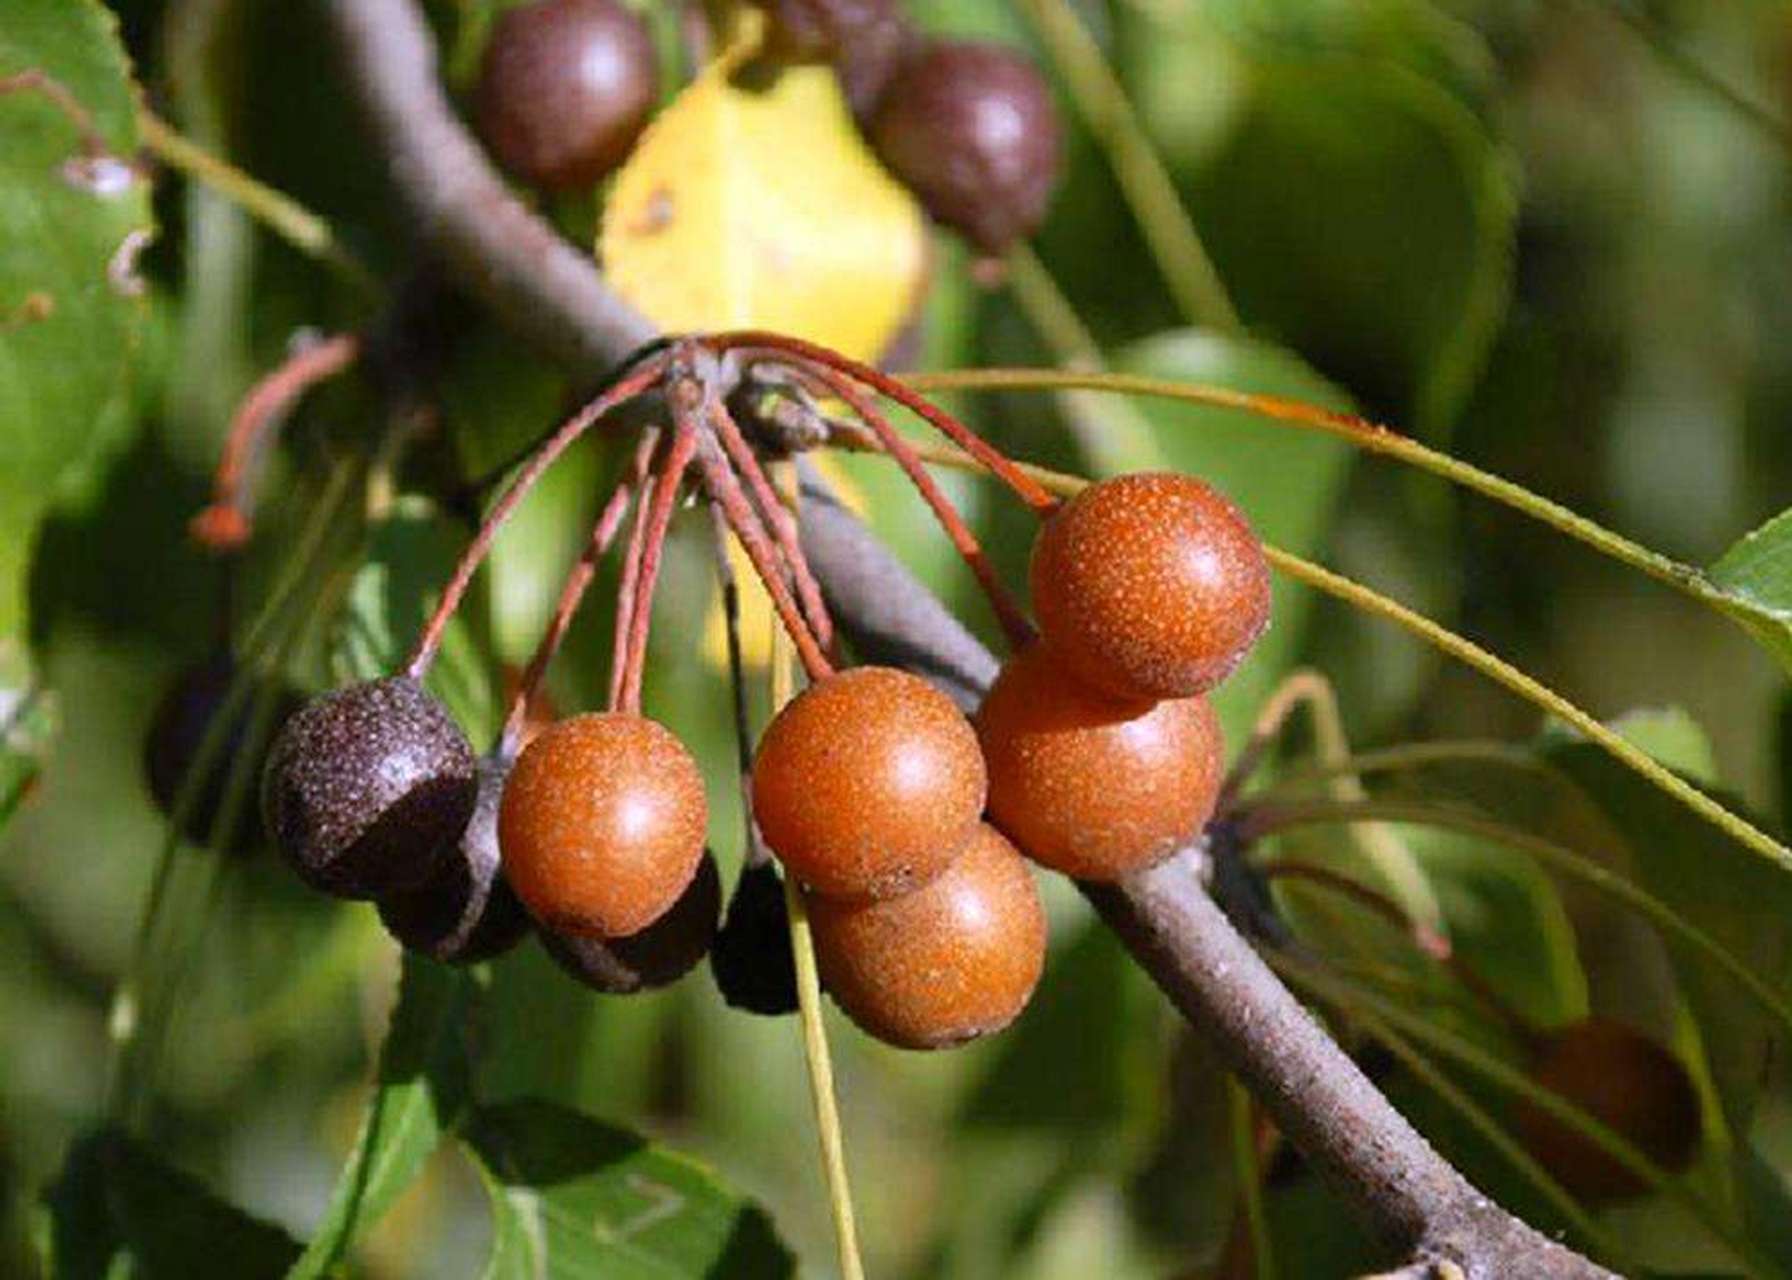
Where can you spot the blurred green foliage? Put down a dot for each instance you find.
(1551, 238)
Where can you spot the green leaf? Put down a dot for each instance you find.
(573, 1197)
(419, 1093)
(119, 1209)
(1364, 216)
(28, 723)
(1718, 885)
(411, 554)
(1286, 482)
(1756, 577)
(76, 210)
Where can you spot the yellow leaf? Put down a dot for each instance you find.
(759, 206)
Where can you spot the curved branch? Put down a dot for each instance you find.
(1414, 1200)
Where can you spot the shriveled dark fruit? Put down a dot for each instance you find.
(367, 789)
(602, 824)
(658, 955)
(868, 783)
(565, 89)
(1626, 1081)
(751, 960)
(1089, 785)
(863, 39)
(971, 129)
(1150, 585)
(177, 733)
(952, 961)
(466, 912)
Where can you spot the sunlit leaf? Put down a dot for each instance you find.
(1756, 573)
(573, 1197)
(76, 212)
(119, 1209)
(754, 204)
(419, 1091)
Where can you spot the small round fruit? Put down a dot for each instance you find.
(751, 960)
(466, 912)
(1630, 1084)
(658, 955)
(1150, 585)
(970, 128)
(952, 961)
(868, 783)
(863, 39)
(1090, 786)
(602, 824)
(565, 89)
(368, 788)
(183, 719)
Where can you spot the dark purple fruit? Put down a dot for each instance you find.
(658, 955)
(466, 912)
(863, 39)
(369, 788)
(565, 89)
(751, 960)
(1628, 1083)
(178, 731)
(970, 128)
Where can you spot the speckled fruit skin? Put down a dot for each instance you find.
(970, 128)
(751, 960)
(1150, 585)
(1090, 786)
(565, 89)
(602, 824)
(178, 731)
(868, 783)
(945, 964)
(466, 912)
(658, 955)
(1622, 1078)
(368, 788)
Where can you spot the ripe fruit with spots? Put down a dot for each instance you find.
(952, 961)
(863, 39)
(1090, 785)
(970, 128)
(368, 788)
(602, 824)
(868, 783)
(565, 89)
(1630, 1084)
(1150, 585)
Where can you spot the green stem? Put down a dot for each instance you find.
(1360, 433)
(1343, 998)
(808, 986)
(1241, 1109)
(1463, 650)
(279, 212)
(1281, 815)
(1101, 100)
(1513, 1081)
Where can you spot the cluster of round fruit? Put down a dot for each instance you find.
(566, 86)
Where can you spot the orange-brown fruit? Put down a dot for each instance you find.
(1090, 785)
(952, 961)
(868, 783)
(602, 824)
(1150, 585)
(1627, 1082)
